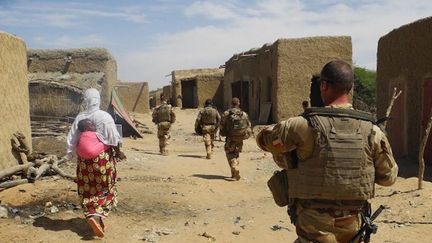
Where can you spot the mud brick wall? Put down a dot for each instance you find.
(135, 96)
(14, 98)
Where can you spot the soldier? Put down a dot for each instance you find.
(206, 124)
(163, 117)
(236, 127)
(339, 155)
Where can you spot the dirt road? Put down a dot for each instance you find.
(185, 198)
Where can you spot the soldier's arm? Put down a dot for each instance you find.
(222, 123)
(386, 169)
(218, 118)
(154, 116)
(198, 120)
(284, 137)
(173, 116)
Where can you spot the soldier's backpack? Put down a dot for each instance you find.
(208, 116)
(164, 113)
(238, 125)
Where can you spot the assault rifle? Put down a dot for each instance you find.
(368, 227)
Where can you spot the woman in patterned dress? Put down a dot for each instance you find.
(96, 177)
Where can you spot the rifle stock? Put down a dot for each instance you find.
(368, 227)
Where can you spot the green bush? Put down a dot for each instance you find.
(364, 89)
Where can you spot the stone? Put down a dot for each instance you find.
(4, 212)
(54, 209)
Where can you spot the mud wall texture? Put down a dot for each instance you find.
(178, 75)
(14, 98)
(404, 61)
(135, 96)
(78, 68)
(210, 87)
(167, 92)
(256, 70)
(281, 73)
(297, 61)
(154, 99)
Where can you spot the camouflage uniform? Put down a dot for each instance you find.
(207, 123)
(233, 145)
(322, 218)
(163, 116)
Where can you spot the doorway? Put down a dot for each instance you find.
(315, 93)
(427, 105)
(240, 89)
(189, 93)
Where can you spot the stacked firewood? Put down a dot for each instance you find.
(32, 166)
(49, 128)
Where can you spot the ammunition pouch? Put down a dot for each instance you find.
(278, 185)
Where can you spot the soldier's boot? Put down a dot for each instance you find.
(208, 151)
(164, 152)
(236, 175)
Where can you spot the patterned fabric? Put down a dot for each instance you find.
(208, 137)
(163, 136)
(232, 152)
(96, 179)
(315, 226)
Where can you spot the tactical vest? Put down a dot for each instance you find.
(208, 116)
(164, 113)
(341, 166)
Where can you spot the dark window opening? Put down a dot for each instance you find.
(240, 89)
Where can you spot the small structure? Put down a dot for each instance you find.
(274, 80)
(14, 98)
(404, 62)
(57, 79)
(135, 96)
(167, 92)
(155, 98)
(121, 116)
(190, 88)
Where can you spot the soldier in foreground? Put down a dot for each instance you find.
(163, 116)
(206, 124)
(236, 127)
(333, 157)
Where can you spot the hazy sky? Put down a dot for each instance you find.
(150, 38)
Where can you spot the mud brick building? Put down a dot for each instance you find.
(404, 61)
(274, 80)
(57, 79)
(190, 88)
(135, 96)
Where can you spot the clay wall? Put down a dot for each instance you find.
(14, 97)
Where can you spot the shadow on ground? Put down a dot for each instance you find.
(409, 168)
(212, 177)
(76, 225)
(192, 156)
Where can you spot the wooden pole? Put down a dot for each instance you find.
(421, 152)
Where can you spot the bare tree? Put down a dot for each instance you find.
(395, 95)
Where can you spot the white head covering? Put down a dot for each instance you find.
(91, 100)
(106, 129)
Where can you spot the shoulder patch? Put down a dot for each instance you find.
(278, 143)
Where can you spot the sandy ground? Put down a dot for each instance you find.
(181, 197)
